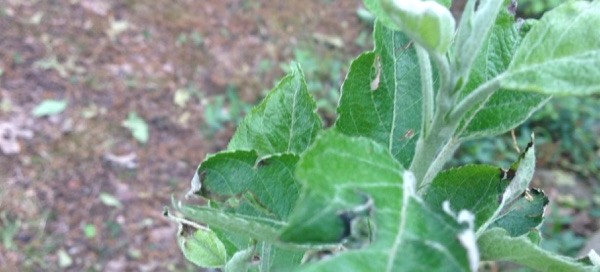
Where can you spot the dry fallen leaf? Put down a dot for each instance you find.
(9, 145)
(127, 161)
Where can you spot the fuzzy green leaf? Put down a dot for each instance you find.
(477, 188)
(269, 180)
(379, 10)
(488, 191)
(525, 214)
(259, 228)
(428, 23)
(476, 22)
(202, 247)
(273, 258)
(284, 122)
(497, 245)
(240, 261)
(561, 53)
(505, 109)
(351, 182)
(381, 97)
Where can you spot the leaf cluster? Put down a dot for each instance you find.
(369, 193)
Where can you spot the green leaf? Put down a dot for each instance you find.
(201, 247)
(497, 245)
(379, 10)
(269, 180)
(476, 21)
(525, 214)
(381, 97)
(284, 122)
(50, 107)
(353, 181)
(561, 53)
(138, 127)
(505, 109)
(523, 171)
(273, 258)
(428, 23)
(477, 188)
(241, 260)
(488, 191)
(262, 229)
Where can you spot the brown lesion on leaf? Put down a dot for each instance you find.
(409, 134)
(508, 174)
(377, 79)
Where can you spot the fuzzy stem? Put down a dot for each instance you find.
(477, 96)
(427, 89)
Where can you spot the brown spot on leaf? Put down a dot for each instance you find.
(375, 82)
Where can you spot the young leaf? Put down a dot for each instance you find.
(50, 107)
(477, 188)
(381, 97)
(284, 122)
(561, 53)
(505, 109)
(273, 258)
(428, 23)
(477, 19)
(349, 179)
(201, 247)
(241, 260)
(269, 180)
(524, 215)
(227, 173)
(379, 10)
(138, 127)
(497, 245)
(487, 191)
(258, 228)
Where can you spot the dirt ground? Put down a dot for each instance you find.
(107, 59)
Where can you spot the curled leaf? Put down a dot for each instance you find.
(430, 24)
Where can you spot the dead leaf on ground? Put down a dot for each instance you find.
(127, 161)
(8, 138)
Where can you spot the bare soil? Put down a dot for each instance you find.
(109, 58)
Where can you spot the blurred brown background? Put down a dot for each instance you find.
(81, 193)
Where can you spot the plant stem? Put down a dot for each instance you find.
(477, 96)
(427, 89)
(440, 132)
(438, 163)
